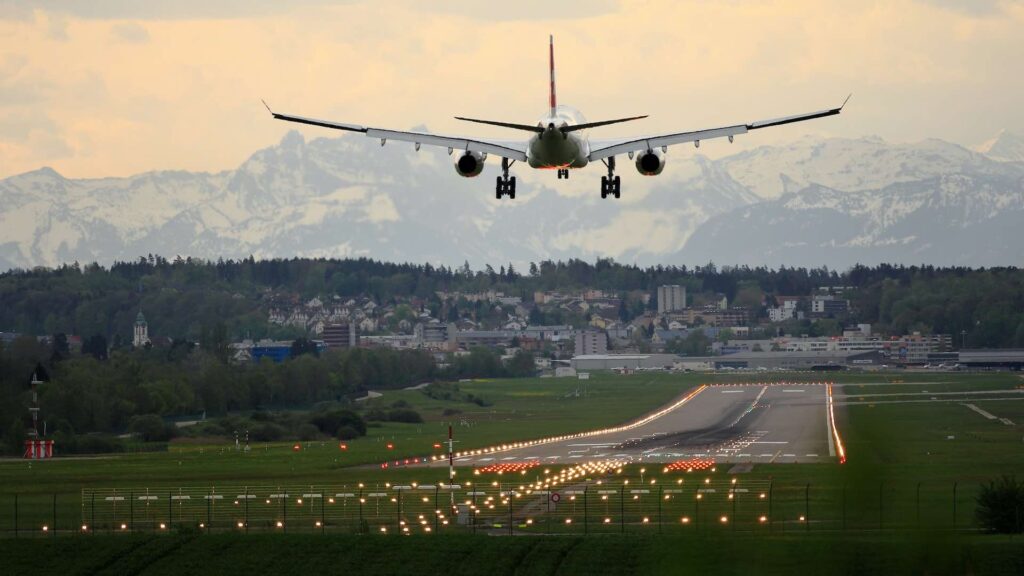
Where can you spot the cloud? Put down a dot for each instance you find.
(130, 32)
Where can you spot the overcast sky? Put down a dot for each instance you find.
(116, 87)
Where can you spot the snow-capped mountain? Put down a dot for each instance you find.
(1005, 147)
(968, 220)
(831, 201)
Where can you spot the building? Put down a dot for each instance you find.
(341, 336)
(786, 310)
(140, 334)
(590, 342)
(803, 360)
(671, 298)
(436, 335)
(828, 305)
(585, 363)
(1007, 358)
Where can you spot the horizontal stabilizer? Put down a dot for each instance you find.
(525, 127)
(589, 125)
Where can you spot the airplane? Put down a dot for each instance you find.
(559, 142)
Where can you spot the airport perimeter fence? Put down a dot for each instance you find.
(666, 505)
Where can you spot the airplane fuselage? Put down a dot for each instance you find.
(553, 149)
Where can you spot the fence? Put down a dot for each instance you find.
(618, 506)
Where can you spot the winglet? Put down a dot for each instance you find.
(845, 101)
(267, 107)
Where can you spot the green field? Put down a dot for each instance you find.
(289, 554)
(901, 469)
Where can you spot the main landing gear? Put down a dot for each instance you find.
(563, 173)
(610, 184)
(506, 184)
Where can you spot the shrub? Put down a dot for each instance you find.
(406, 415)
(330, 422)
(151, 428)
(1001, 506)
(451, 412)
(307, 432)
(348, 433)
(266, 432)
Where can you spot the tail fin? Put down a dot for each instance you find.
(551, 59)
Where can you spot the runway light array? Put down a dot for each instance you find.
(508, 467)
(691, 465)
(835, 431)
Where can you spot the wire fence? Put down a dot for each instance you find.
(592, 507)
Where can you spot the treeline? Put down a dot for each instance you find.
(190, 299)
(82, 394)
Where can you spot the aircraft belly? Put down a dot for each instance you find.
(555, 152)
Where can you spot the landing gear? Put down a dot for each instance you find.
(611, 185)
(505, 184)
(563, 173)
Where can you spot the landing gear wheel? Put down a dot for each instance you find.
(563, 173)
(512, 187)
(611, 185)
(499, 189)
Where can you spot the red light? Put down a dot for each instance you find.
(437, 445)
(343, 446)
(391, 446)
(297, 447)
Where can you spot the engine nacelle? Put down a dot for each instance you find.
(650, 163)
(470, 164)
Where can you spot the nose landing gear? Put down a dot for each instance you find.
(563, 173)
(611, 185)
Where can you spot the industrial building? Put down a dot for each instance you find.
(585, 363)
(1007, 358)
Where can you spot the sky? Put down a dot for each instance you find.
(118, 87)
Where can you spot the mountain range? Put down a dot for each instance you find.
(813, 202)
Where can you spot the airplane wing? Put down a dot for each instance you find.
(502, 149)
(600, 151)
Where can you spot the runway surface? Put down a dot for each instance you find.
(775, 423)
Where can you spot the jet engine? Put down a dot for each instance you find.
(470, 164)
(650, 163)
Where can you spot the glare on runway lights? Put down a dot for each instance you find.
(529, 521)
(384, 529)
(762, 495)
(724, 519)
(46, 528)
(730, 496)
(699, 496)
(685, 520)
(646, 519)
(201, 525)
(299, 501)
(707, 480)
(607, 520)
(444, 522)
(268, 500)
(85, 528)
(802, 519)
(330, 500)
(763, 519)
(426, 529)
(280, 524)
(240, 525)
(125, 526)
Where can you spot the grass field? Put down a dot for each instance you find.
(370, 555)
(900, 458)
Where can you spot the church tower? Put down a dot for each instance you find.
(141, 335)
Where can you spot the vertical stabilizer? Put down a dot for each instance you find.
(551, 60)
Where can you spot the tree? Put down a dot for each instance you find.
(1001, 506)
(95, 346)
(302, 346)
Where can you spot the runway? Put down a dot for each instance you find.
(758, 423)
